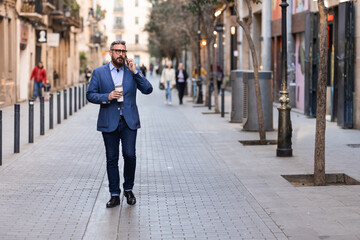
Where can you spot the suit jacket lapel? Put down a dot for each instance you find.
(126, 79)
(108, 76)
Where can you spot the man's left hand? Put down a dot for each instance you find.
(132, 65)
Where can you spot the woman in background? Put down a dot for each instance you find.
(168, 79)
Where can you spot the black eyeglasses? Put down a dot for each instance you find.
(119, 51)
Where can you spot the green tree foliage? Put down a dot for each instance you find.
(166, 26)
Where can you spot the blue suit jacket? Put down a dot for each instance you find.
(101, 85)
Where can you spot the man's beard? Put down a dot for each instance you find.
(118, 62)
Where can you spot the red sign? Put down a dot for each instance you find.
(330, 17)
(276, 9)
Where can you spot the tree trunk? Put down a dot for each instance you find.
(246, 28)
(319, 157)
(257, 87)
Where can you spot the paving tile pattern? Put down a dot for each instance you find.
(48, 190)
(56, 188)
(184, 189)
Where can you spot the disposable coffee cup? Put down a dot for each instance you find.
(120, 89)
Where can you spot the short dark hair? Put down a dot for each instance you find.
(117, 42)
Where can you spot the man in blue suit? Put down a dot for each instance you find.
(118, 116)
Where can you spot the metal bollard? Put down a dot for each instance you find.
(17, 128)
(222, 102)
(83, 95)
(210, 97)
(31, 121)
(0, 137)
(58, 108)
(42, 116)
(70, 101)
(65, 104)
(51, 111)
(75, 98)
(87, 87)
(79, 97)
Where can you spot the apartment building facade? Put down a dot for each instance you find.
(343, 80)
(127, 23)
(33, 31)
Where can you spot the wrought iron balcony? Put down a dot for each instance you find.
(48, 6)
(118, 9)
(72, 17)
(32, 10)
(64, 15)
(96, 39)
(119, 26)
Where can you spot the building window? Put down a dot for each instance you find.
(137, 60)
(118, 23)
(136, 3)
(137, 39)
(118, 6)
(118, 37)
(136, 20)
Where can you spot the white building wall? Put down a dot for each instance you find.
(130, 12)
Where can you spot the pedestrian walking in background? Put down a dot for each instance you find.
(39, 76)
(219, 77)
(168, 79)
(151, 68)
(143, 70)
(118, 118)
(87, 73)
(181, 78)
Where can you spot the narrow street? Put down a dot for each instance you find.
(193, 181)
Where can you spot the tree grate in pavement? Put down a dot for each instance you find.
(353, 145)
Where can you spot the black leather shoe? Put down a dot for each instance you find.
(113, 202)
(130, 198)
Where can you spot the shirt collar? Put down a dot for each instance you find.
(112, 67)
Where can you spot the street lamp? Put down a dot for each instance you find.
(284, 129)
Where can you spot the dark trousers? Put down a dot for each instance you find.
(112, 142)
(219, 83)
(37, 89)
(181, 89)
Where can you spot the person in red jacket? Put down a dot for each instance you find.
(39, 76)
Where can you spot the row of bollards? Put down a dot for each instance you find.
(78, 101)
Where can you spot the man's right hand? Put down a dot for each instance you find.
(115, 95)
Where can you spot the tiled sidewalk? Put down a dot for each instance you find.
(194, 180)
(184, 190)
(48, 190)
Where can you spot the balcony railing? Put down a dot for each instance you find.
(118, 9)
(72, 17)
(119, 26)
(48, 6)
(32, 10)
(96, 39)
(31, 6)
(64, 15)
